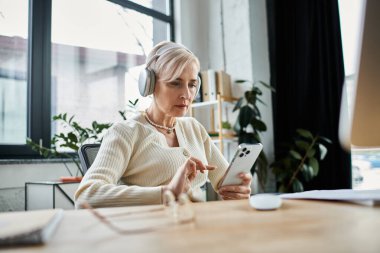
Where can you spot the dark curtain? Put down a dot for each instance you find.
(307, 71)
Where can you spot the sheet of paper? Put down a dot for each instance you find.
(367, 197)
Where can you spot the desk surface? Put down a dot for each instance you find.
(226, 226)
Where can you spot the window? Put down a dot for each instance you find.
(13, 71)
(365, 163)
(84, 60)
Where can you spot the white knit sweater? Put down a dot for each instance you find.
(134, 161)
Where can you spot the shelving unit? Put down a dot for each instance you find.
(221, 138)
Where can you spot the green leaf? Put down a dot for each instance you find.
(45, 153)
(303, 145)
(73, 146)
(261, 101)
(238, 104)
(305, 133)
(307, 172)
(267, 86)
(256, 91)
(258, 125)
(311, 152)
(295, 154)
(133, 103)
(325, 139)
(297, 186)
(323, 151)
(71, 118)
(315, 165)
(94, 124)
(256, 138)
(252, 100)
(72, 137)
(122, 114)
(241, 81)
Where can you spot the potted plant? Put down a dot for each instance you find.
(226, 127)
(75, 136)
(300, 160)
(249, 124)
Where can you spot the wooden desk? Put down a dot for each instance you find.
(227, 226)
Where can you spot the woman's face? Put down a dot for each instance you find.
(174, 98)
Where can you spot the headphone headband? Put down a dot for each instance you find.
(163, 50)
(147, 78)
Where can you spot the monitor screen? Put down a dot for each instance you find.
(360, 118)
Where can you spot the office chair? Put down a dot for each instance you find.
(87, 154)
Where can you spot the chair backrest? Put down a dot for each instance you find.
(87, 154)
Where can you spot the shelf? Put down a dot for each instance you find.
(225, 140)
(207, 103)
(216, 133)
(214, 102)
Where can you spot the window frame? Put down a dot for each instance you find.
(39, 72)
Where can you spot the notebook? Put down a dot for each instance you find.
(32, 227)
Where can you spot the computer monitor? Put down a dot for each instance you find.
(359, 125)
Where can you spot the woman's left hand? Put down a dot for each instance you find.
(241, 191)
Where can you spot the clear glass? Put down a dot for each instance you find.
(96, 60)
(172, 213)
(13, 71)
(158, 5)
(365, 163)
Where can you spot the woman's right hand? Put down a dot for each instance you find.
(181, 181)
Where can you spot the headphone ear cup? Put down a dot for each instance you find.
(199, 84)
(147, 80)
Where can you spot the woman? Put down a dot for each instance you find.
(159, 149)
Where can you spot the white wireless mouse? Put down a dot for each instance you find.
(265, 201)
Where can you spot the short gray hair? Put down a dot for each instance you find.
(168, 60)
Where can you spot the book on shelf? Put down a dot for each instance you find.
(31, 227)
(223, 83)
(208, 85)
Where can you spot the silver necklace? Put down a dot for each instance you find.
(169, 130)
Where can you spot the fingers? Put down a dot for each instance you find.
(235, 189)
(246, 178)
(191, 170)
(234, 195)
(200, 166)
(210, 167)
(235, 192)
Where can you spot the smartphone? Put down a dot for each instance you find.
(243, 161)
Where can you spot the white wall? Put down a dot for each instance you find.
(231, 35)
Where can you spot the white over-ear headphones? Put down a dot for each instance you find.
(147, 78)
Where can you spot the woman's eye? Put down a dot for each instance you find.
(193, 85)
(175, 83)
